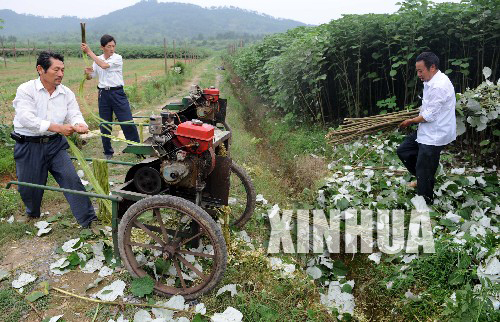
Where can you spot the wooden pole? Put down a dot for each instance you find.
(15, 54)
(165, 54)
(3, 54)
(185, 53)
(174, 50)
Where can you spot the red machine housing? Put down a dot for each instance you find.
(211, 94)
(190, 132)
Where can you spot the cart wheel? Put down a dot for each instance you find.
(241, 196)
(157, 236)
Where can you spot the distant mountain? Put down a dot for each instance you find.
(147, 22)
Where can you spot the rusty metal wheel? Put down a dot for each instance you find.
(241, 196)
(175, 242)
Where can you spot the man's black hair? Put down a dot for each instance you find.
(44, 59)
(106, 39)
(429, 59)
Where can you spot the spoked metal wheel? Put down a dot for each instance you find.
(175, 242)
(241, 196)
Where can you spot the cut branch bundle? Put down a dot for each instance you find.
(354, 128)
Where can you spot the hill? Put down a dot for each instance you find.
(147, 22)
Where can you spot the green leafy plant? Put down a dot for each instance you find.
(142, 286)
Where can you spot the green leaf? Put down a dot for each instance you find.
(53, 218)
(485, 142)
(347, 288)
(142, 286)
(343, 204)
(448, 71)
(419, 38)
(376, 55)
(496, 132)
(198, 318)
(35, 295)
(393, 73)
(464, 262)
(73, 259)
(106, 292)
(162, 265)
(456, 278)
(339, 268)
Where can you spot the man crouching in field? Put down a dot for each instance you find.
(45, 109)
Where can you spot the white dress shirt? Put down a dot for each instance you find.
(438, 110)
(111, 76)
(36, 108)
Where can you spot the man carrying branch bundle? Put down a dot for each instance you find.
(112, 98)
(420, 151)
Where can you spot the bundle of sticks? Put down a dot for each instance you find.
(354, 128)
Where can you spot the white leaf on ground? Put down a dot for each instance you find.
(228, 288)
(200, 308)
(11, 219)
(458, 171)
(41, 224)
(321, 198)
(274, 211)
(92, 265)
(491, 269)
(163, 314)
(142, 316)
(375, 257)
(182, 319)
(116, 289)
(314, 272)
(408, 258)
(98, 249)
(176, 302)
(80, 173)
(44, 231)
(55, 318)
(288, 270)
(22, 280)
(60, 263)
(486, 72)
(451, 216)
(70, 247)
(260, 198)
(232, 200)
(58, 271)
(389, 285)
(335, 298)
(84, 182)
(105, 271)
(229, 315)
(419, 204)
(276, 263)
(411, 296)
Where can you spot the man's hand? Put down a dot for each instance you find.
(406, 123)
(80, 128)
(86, 49)
(88, 72)
(64, 129)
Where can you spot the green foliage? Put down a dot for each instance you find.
(10, 201)
(342, 68)
(142, 286)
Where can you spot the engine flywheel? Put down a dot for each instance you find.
(148, 181)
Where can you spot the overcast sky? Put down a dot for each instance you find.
(308, 11)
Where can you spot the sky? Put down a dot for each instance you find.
(308, 11)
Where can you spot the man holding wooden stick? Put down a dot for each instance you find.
(46, 111)
(112, 97)
(420, 151)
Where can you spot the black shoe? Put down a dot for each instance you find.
(108, 156)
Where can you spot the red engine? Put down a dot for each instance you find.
(196, 135)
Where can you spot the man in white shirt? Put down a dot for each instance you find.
(44, 110)
(420, 152)
(112, 98)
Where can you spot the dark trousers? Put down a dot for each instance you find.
(34, 161)
(422, 161)
(115, 101)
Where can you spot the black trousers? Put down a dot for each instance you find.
(115, 101)
(422, 161)
(34, 161)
